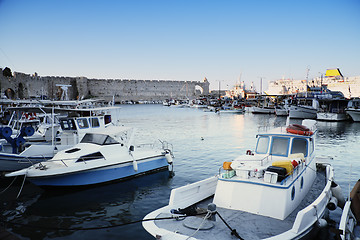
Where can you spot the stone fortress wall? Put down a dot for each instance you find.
(22, 86)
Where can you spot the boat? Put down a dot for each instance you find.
(304, 108)
(349, 227)
(332, 109)
(353, 109)
(101, 156)
(17, 152)
(264, 106)
(281, 111)
(278, 191)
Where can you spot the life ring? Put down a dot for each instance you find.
(299, 130)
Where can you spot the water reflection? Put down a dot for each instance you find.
(102, 205)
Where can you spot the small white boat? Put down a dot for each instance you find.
(332, 109)
(101, 156)
(305, 108)
(277, 191)
(18, 152)
(302, 112)
(353, 109)
(262, 110)
(282, 110)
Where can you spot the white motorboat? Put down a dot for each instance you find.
(353, 109)
(277, 191)
(101, 156)
(17, 152)
(306, 108)
(281, 111)
(332, 109)
(262, 110)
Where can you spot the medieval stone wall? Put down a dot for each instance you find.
(26, 86)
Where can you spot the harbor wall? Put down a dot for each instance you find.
(22, 85)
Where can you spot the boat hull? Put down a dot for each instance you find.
(10, 162)
(332, 116)
(302, 112)
(259, 110)
(354, 114)
(103, 174)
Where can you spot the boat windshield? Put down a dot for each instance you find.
(262, 145)
(299, 145)
(99, 139)
(279, 146)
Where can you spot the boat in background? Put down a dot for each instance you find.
(16, 152)
(101, 156)
(304, 108)
(264, 105)
(353, 109)
(332, 109)
(278, 191)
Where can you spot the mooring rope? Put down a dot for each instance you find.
(8, 186)
(22, 185)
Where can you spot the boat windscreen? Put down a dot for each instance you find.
(279, 146)
(262, 145)
(94, 138)
(299, 146)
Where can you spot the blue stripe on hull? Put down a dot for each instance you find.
(101, 175)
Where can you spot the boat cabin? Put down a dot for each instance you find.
(278, 171)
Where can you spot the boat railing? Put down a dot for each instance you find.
(84, 159)
(294, 174)
(260, 162)
(28, 160)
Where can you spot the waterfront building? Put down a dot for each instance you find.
(333, 80)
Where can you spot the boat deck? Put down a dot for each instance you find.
(249, 226)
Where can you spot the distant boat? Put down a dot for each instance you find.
(305, 108)
(353, 109)
(332, 109)
(101, 156)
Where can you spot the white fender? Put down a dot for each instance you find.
(135, 165)
(168, 157)
(332, 204)
(336, 192)
(321, 223)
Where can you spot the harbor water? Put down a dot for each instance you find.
(201, 141)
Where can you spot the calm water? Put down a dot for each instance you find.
(202, 142)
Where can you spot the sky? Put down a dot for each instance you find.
(225, 41)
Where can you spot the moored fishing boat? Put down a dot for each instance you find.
(353, 109)
(332, 109)
(101, 156)
(305, 108)
(278, 191)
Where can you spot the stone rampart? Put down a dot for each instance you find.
(26, 86)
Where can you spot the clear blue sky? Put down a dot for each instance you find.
(181, 39)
